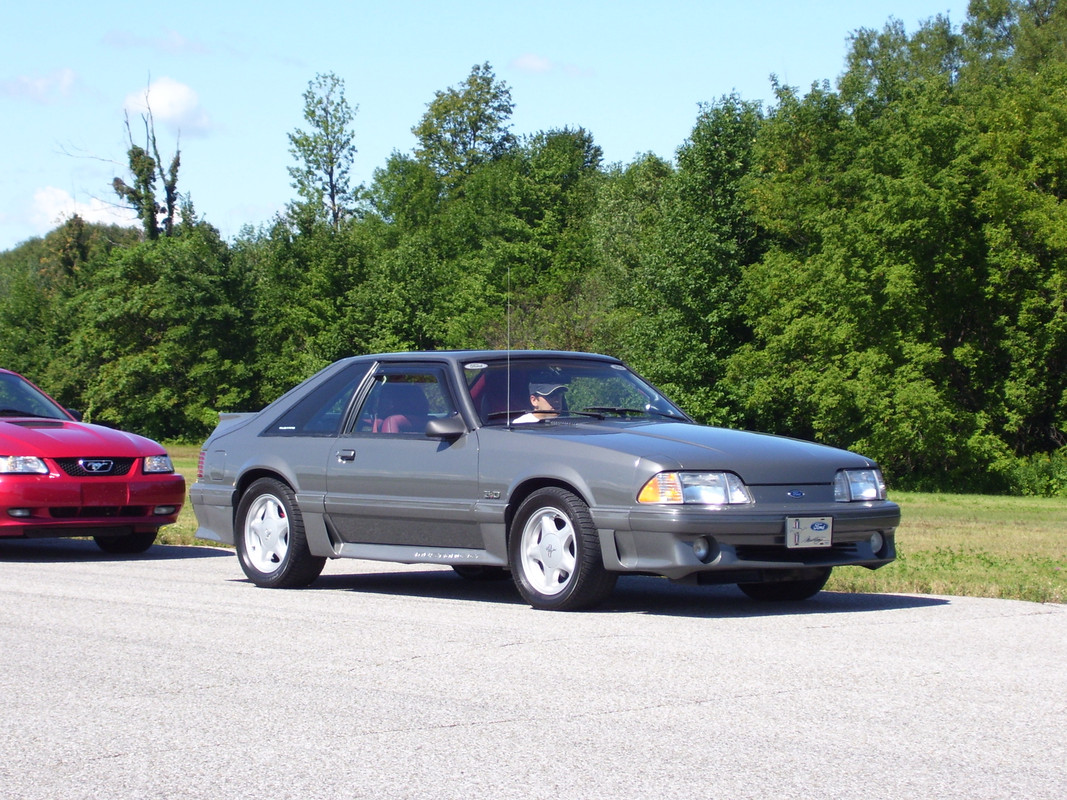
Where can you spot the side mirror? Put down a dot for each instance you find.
(447, 428)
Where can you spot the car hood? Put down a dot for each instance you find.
(29, 436)
(758, 458)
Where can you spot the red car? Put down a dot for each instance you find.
(62, 477)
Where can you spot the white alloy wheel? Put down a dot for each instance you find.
(554, 552)
(271, 543)
(548, 551)
(266, 534)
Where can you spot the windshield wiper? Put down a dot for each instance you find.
(667, 415)
(620, 410)
(7, 411)
(16, 412)
(635, 412)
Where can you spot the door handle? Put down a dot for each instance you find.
(346, 455)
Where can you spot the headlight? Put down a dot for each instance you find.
(22, 465)
(158, 464)
(705, 488)
(854, 485)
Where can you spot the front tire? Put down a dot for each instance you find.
(789, 590)
(126, 545)
(555, 553)
(271, 544)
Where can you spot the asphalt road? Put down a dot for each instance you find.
(169, 676)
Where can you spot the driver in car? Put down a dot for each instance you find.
(546, 400)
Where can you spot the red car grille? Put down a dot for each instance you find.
(97, 512)
(74, 467)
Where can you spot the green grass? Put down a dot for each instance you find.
(950, 544)
(973, 545)
(183, 531)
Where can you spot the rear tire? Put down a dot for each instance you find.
(555, 553)
(126, 545)
(790, 590)
(271, 544)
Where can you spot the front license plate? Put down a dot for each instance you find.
(105, 494)
(808, 531)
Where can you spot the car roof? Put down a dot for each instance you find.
(464, 356)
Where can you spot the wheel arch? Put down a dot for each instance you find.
(527, 488)
(247, 479)
(543, 575)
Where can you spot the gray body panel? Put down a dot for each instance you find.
(416, 498)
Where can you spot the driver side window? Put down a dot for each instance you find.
(403, 401)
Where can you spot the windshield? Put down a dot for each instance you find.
(534, 390)
(20, 398)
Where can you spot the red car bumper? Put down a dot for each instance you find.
(59, 505)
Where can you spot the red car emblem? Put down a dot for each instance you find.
(97, 466)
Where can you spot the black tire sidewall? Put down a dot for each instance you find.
(298, 567)
(591, 583)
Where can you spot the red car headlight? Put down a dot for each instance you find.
(158, 464)
(22, 465)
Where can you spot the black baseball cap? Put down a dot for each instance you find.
(545, 389)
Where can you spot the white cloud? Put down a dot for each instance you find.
(52, 206)
(172, 104)
(530, 62)
(40, 88)
(539, 65)
(171, 42)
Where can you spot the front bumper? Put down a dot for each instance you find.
(44, 506)
(745, 546)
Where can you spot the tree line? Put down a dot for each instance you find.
(880, 265)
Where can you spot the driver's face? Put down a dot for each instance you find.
(541, 402)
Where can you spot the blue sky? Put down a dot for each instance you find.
(226, 82)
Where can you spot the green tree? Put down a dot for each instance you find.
(706, 239)
(158, 346)
(466, 126)
(146, 166)
(325, 152)
(909, 303)
(1018, 129)
(624, 234)
(37, 280)
(1027, 33)
(299, 272)
(406, 193)
(857, 294)
(514, 238)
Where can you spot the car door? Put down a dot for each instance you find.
(302, 439)
(388, 482)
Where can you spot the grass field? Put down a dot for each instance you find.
(976, 545)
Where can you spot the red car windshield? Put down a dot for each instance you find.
(20, 398)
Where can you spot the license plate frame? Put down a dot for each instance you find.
(806, 533)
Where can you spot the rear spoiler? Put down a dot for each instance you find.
(230, 419)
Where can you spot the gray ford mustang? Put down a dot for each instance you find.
(563, 469)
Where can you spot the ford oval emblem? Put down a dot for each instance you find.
(796, 494)
(819, 527)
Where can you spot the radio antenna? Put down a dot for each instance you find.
(507, 398)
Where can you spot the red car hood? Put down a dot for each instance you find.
(53, 438)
